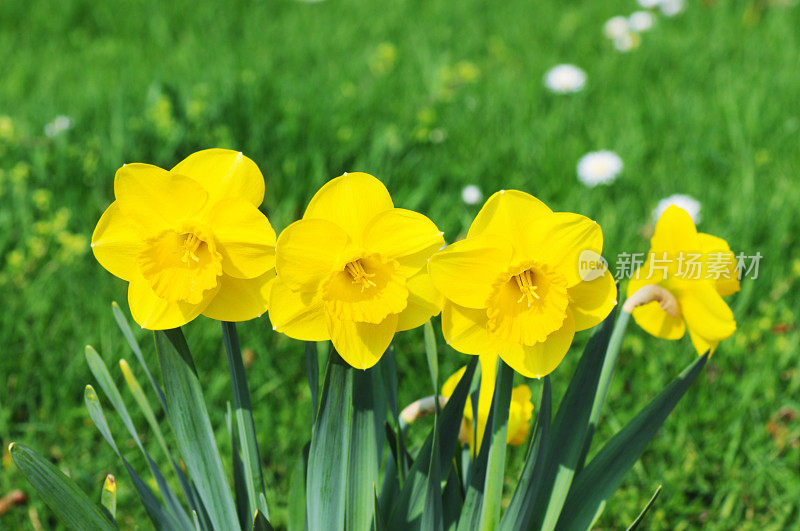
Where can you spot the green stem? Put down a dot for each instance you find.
(609, 364)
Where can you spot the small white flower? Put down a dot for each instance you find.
(616, 27)
(627, 42)
(599, 167)
(565, 79)
(471, 194)
(641, 21)
(57, 126)
(686, 202)
(670, 8)
(649, 4)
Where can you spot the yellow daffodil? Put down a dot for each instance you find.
(520, 411)
(696, 270)
(513, 287)
(353, 270)
(190, 240)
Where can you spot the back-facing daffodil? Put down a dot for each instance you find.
(190, 240)
(352, 270)
(513, 287)
(691, 271)
(519, 414)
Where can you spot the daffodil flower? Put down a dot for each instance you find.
(352, 270)
(190, 240)
(695, 270)
(519, 414)
(513, 287)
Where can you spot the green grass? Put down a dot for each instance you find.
(429, 96)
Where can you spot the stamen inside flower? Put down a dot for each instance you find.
(359, 274)
(527, 287)
(190, 246)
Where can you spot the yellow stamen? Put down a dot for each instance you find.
(527, 287)
(359, 275)
(190, 245)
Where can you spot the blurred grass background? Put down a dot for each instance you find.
(429, 96)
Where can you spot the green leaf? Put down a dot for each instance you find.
(245, 426)
(495, 468)
(260, 522)
(452, 499)
(312, 373)
(123, 324)
(329, 453)
(410, 504)
(297, 493)
(431, 353)
(239, 484)
(192, 427)
(569, 430)
(639, 519)
(61, 494)
(432, 517)
(602, 476)
(388, 369)
(364, 458)
(520, 510)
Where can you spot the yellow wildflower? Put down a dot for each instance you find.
(520, 411)
(190, 240)
(352, 270)
(513, 287)
(697, 270)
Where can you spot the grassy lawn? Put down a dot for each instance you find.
(429, 96)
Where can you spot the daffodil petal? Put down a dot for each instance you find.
(656, 322)
(244, 237)
(299, 315)
(560, 238)
(592, 301)
(405, 236)
(154, 199)
(705, 312)
(715, 248)
(466, 271)
(449, 386)
(519, 415)
(154, 313)
(362, 344)
(424, 301)
(225, 174)
(308, 251)
(508, 213)
(240, 299)
(116, 243)
(465, 330)
(701, 344)
(675, 232)
(350, 201)
(542, 358)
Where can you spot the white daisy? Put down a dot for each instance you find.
(641, 21)
(57, 126)
(616, 27)
(565, 79)
(670, 8)
(471, 194)
(686, 202)
(626, 43)
(599, 167)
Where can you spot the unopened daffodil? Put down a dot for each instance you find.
(519, 414)
(190, 240)
(352, 270)
(692, 271)
(513, 287)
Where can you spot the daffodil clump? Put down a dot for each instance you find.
(352, 273)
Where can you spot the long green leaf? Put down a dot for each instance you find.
(602, 476)
(639, 519)
(432, 514)
(431, 353)
(329, 453)
(569, 430)
(61, 494)
(364, 458)
(520, 510)
(410, 504)
(190, 423)
(312, 373)
(495, 468)
(297, 493)
(243, 411)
